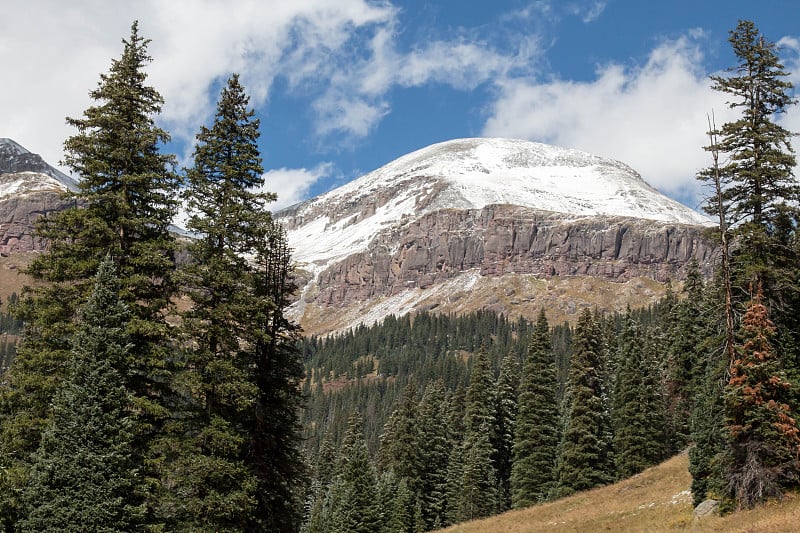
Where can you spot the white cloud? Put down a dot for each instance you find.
(789, 49)
(292, 184)
(588, 12)
(652, 117)
(52, 53)
(342, 55)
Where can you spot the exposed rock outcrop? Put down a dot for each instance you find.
(504, 239)
(18, 215)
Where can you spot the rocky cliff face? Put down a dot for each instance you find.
(29, 189)
(18, 215)
(501, 239)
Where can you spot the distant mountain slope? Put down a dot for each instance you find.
(29, 188)
(485, 207)
(472, 174)
(14, 159)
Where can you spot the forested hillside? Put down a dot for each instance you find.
(464, 417)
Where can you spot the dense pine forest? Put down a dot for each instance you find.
(121, 411)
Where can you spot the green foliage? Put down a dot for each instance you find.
(124, 205)
(83, 474)
(243, 372)
(536, 435)
(505, 423)
(352, 506)
(477, 486)
(638, 416)
(585, 459)
(435, 451)
(757, 205)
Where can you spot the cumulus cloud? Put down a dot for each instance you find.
(355, 100)
(292, 184)
(651, 116)
(53, 52)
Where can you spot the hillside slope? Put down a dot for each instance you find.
(656, 500)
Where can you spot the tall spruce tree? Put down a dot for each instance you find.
(244, 371)
(760, 193)
(124, 205)
(756, 201)
(763, 454)
(505, 422)
(536, 431)
(401, 444)
(477, 486)
(353, 493)
(275, 366)
(433, 427)
(84, 476)
(637, 417)
(586, 459)
(687, 332)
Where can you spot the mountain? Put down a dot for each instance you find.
(503, 224)
(496, 223)
(14, 159)
(29, 188)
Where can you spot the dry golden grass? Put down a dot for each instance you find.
(656, 500)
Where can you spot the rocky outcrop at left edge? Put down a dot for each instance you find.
(18, 216)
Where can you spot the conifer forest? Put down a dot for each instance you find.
(121, 410)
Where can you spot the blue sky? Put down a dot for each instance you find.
(344, 86)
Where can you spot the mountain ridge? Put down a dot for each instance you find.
(471, 174)
(16, 159)
(497, 208)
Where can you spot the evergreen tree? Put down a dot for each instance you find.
(479, 404)
(401, 444)
(435, 453)
(637, 417)
(760, 193)
(585, 459)
(686, 332)
(354, 506)
(477, 487)
(478, 484)
(708, 443)
(244, 371)
(756, 200)
(83, 476)
(536, 431)
(505, 421)
(271, 422)
(455, 461)
(215, 488)
(124, 205)
(764, 441)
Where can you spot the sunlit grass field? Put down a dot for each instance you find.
(658, 499)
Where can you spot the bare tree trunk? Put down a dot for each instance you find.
(716, 176)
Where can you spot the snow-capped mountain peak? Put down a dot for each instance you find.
(471, 174)
(15, 159)
(11, 147)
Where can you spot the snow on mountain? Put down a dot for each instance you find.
(17, 160)
(471, 174)
(12, 184)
